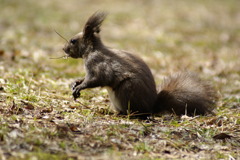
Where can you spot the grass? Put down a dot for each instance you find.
(40, 120)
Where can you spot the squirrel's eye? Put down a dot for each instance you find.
(73, 41)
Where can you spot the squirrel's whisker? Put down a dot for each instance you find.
(61, 36)
(62, 57)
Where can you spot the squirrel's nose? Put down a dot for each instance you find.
(66, 49)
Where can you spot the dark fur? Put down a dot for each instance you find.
(129, 80)
(185, 93)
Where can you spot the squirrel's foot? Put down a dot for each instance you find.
(76, 92)
(75, 84)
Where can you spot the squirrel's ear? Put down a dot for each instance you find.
(93, 24)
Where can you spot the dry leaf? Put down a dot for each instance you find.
(14, 106)
(1, 88)
(2, 52)
(73, 107)
(222, 136)
(14, 109)
(28, 105)
(74, 129)
(47, 110)
(216, 121)
(176, 135)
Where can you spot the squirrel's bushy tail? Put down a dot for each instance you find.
(185, 93)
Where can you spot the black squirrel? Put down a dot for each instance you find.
(129, 81)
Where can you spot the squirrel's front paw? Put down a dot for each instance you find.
(75, 84)
(76, 93)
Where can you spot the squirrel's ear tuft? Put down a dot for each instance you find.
(93, 24)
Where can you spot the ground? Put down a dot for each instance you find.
(40, 120)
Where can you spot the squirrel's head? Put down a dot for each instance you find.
(88, 40)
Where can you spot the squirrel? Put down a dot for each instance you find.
(129, 81)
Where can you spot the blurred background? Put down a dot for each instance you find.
(200, 36)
